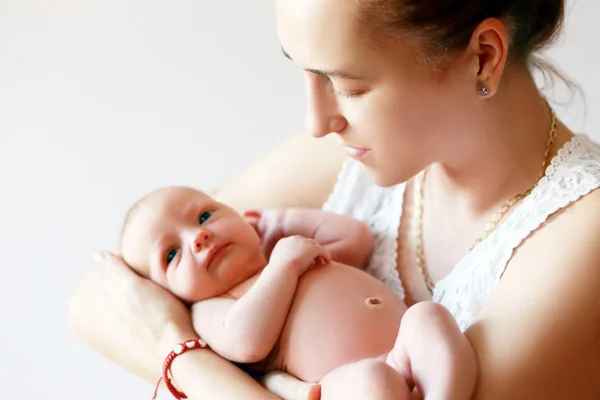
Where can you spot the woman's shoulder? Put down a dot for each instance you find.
(567, 239)
(568, 200)
(545, 307)
(545, 311)
(569, 187)
(579, 153)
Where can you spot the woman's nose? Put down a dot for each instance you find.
(200, 240)
(322, 114)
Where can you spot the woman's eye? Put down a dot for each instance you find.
(204, 217)
(171, 255)
(344, 94)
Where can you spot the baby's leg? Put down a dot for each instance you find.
(431, 350)
(364, 380)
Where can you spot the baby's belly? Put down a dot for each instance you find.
(331, 324)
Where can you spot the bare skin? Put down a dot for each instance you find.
(288, 313)
(481, 151)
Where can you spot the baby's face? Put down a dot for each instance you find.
(190, 244)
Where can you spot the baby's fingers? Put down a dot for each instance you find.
(323, 256)
(320, 260)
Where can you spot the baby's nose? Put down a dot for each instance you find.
(202, 237)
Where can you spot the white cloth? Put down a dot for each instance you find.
(572, 173)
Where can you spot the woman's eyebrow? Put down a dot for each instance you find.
(327, 74)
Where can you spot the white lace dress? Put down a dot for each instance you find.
(572, 173)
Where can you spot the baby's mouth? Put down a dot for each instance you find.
(215, 254)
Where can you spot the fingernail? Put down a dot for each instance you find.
(310, 392)
(251, 213)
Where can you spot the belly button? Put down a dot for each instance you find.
(374, 302)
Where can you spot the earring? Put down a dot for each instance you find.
(483, 90)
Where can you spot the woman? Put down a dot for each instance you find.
(448, 136)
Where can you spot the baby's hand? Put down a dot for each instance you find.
(269, 226)
(299, 253)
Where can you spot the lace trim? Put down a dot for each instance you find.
(342, 188)
(355, 195)
(386, 223)
(572, 173)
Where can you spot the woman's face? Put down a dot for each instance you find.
(393, 113)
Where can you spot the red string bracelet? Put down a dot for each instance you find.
(177, 351)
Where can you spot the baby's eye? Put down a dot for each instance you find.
(204, 217)
(171, 255)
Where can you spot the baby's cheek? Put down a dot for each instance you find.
(183, 285)
(192, 287)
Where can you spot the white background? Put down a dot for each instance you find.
(101, 101)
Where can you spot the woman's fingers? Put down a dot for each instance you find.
(123, 304)
(289, 387)
(105, 258)
(113, 265)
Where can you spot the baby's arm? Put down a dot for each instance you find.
(349, 240)
(245, 330)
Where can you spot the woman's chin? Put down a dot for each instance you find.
(384, 179)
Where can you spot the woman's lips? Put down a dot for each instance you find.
(357, 153)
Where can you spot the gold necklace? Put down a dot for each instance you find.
(498, 215)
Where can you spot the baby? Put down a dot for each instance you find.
(309, 309)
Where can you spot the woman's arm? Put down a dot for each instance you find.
(538, 336)
(299, 173)
(102, 307)
(202, 374)
(135, 324)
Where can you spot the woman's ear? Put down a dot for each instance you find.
(489, 48)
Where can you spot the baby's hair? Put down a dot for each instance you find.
(129, 216)
(133, 210)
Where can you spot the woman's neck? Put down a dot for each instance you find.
(503, 154)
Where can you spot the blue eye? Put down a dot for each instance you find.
(171, 255)
(204, 216)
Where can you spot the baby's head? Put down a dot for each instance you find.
(190, 244)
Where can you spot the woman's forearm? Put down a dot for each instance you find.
(312, 164)
(202, 374)
(135, 323)
(91, 320)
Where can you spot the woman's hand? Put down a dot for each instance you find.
(129, 319)
(135, 323)
(289, 387)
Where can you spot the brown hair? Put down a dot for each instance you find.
(443, 27)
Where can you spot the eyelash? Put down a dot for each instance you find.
(348, 96)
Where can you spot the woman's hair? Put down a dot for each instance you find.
(443, 27)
